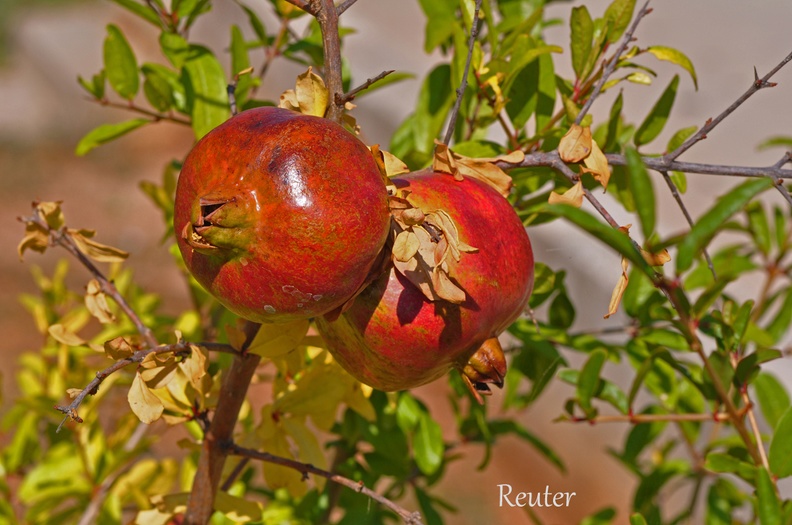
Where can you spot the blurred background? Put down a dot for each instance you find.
(45, 44)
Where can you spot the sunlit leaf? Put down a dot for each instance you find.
(95, 250)
(642, 191)
(676, 57)
(571, 197)
(107, 132)
(120, 64)
(146, 406)
(206, 90)
(278, 338)
(780, 454)
(656, 120)
(575, 144)
(618, 14)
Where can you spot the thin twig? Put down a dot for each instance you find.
(71, 409)
(343, 6)
(650, 418)
(221, 430)
(611, 64)
(410, 518)
(474, 29)
(675, 193)
(663, 164)
(234, 474)
(347, 97)
(156, 117)
(756, 85)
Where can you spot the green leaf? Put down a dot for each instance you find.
(769, 508)
(680, 137)
(428, 445)
(510, 426)
(613, 123)
(582, 32)
(780, 228)
(157, 89)
(96, 86)
(430, 513)
(175, 48)
(441, 21)
(783, 142)
(642, 191)
(676, 57)
(759, 226)
(255, 23)
(589, 379)
(637, 519)
(106, 133)
(120, 64)
(618, 14)
(408, 412)
(562, 311)
(656, 120)
(206, 91)
(396, 76)
(680, 180)
(713, 220)
(610, 236)
(240, 62)
(780, 454)
(147, 13)
(772, 397)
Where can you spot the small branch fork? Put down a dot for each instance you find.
(410, 518)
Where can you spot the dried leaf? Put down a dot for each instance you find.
(96, 302)
(94, 250)
(656, 259)
(389, 164)
(52, 214)
(443, 160)
(36, 238)
(236, 337)
(118, 348)
(195, 366)
(618, 290)
(597, 165)
(73, 392)
(445, 288)
(571, 197)
(500, 101)
(146, 406)
(277, 339)
(576, 144)
(63, 335)
(312, 94)
(413, 217)
(405, 246)
(157, 371)
(486, 172)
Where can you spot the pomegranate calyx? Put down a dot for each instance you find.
(486, 366)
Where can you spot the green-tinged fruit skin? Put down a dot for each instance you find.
(279, 215)
(393, 338)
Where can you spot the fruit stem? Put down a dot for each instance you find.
(327, 17)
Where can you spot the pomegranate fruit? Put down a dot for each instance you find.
(393, 338)
(280, 215)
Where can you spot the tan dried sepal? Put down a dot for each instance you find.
(576, 144)
(118, 348)
(405, 246)
(571, 197)
(96, 302)
(618, 290)
(309, 96)
(597, 165)
(656, 259)
(145, 405)
(94, 250)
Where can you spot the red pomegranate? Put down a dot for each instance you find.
(394, 338)
(280, 215)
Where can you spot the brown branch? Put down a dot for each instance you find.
(347, 97)
(213, 455)
(410, 518)
(474, 29)
(131, 106)
(650, 418)
(663, 164)
(611, 64)
(678, 198)
(327, 17)
(758, 83)
(344, 6)
(71, 409)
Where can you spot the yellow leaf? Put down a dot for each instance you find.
(195, 366)
(443, 160)
(576, 144)
(618, 290)
(36, 238)
(405, 246)
(597, 165)
(62, 335)
(94, 250)
(146, 406)
(308, 445)
(118, 348)
(486, 172)
(311, 94)
(157, 371)
(278, 338)
(96, 302)
(500, 102)
(390, 165)
(288, 100)
(571, 197)
(236, 509)
(153, 517)
(236, 337)
(656, 259)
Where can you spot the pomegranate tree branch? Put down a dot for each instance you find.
(343, 6)
(70, 410)
(610, 65)
(474, 29)
(327, 17)
(346, 97)
(131, 106)
(305, 5)
(756, 85)
(221, 430)
(410, 518)
(650, 418)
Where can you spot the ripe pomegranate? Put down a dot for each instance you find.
(280, 215)
(394, 338)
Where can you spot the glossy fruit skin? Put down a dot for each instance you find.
(293, 208)
(393, 338)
